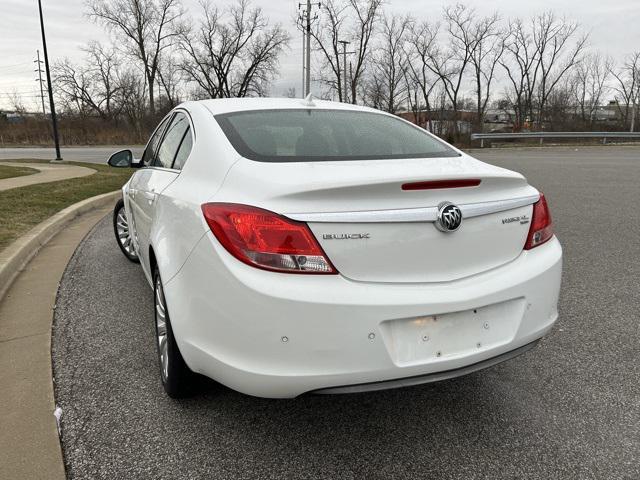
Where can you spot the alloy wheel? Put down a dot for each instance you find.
(161, 329)
(124, 234)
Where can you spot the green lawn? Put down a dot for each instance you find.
(23, 208)
(10, 172)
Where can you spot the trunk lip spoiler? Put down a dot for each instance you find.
(420, 214)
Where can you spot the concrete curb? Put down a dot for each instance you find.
(17, 255)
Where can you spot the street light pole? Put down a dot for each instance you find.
(51, 104)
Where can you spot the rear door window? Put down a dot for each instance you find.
(183, 150)
(152, 146)
(171, 141)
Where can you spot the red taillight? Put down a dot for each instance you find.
(541, 228)
(266, 240)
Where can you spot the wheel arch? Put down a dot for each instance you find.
(153, 263)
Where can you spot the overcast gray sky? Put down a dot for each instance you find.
(614, 26)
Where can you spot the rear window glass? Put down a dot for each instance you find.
(326, 135)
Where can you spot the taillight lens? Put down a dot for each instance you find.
(266, 240)
(541, 228)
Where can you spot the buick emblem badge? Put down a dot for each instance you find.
(449, 217)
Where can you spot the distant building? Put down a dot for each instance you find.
(440, 121)
(13, 117)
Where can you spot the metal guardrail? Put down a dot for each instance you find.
(549, 135)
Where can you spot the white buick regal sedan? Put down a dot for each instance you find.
(307, 246)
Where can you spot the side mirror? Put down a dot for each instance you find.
(123, 158)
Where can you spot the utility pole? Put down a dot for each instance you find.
(305, 20)
(351, 76)
(304, 68)
(51, 104)
(344, 66)
(38, 63)
(301, 22)
(307, 82)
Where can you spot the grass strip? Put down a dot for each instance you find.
(23, 208)
(12, 172)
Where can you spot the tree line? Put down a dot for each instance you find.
(160, 57)
(540, 71)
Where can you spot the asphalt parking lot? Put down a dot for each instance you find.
(568, 409)
(71, 154)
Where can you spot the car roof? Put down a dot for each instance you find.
(229, 105)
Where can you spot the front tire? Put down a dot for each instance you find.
(177, 378)
(123, 232)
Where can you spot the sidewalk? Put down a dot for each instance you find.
(48, 173)
(29, 444)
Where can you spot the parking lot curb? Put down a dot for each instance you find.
(30, 273)
(17, 255)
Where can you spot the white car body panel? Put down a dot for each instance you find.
(327, 321)
(473, 294)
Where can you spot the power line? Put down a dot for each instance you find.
(14, 65)
(14, 84)
(19, 92)
(9, 95)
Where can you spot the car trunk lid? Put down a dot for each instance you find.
(373, 230)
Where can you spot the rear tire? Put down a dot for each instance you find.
(123, 232)
(177, 378)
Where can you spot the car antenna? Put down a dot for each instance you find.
(308, 101)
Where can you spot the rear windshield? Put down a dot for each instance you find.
(308, 135)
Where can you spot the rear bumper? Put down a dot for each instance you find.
(428, 378)
(281, 335)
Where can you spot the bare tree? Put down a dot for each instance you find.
(134, 93)
(413, 97)
(538, 60)
(519, 65)
(71, 85)
(421, 43)
(367, 13)
(551, 38)
(488, 47)
(588, 84)
(91, 87)
(372, 92)
(353, 21)
(390, 62)
(450, 64)
(16, 102)
(232, 53)
(627, 88)
(327, 33)
(146, 27)
(104, 72)
(559, 107)
(170, 78)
